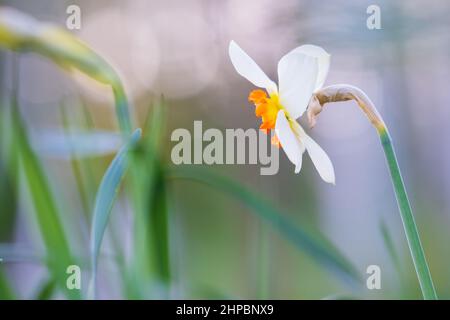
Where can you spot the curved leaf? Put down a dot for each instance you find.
(22, 33)
(104, 201)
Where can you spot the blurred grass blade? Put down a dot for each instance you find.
(86, 185)
(151, 265)
(104, 201)
(45, 290)
(59, 256)
(315, 244)
(393, 254)
(6, 292)
(159, 226)
(8, 199)
(77, 172)
(8, 195)
(23, 33)
(389, 244)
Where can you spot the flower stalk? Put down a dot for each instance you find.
(343, 92)
(20, 32)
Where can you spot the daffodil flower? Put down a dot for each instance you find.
(301, 72)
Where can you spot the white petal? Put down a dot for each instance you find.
(289, 142)
(320, 159)
(248, 68)
(297, 75)
(323, 59)
(298, 166)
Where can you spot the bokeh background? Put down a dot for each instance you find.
(218, 249)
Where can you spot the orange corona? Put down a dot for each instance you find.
(267, 108)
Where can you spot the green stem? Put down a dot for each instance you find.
(122, 108)
(412, 234)
(345, 92)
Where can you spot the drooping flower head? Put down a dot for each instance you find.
(301, 72)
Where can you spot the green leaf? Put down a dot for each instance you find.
(59, 256)
(159, 226)
(22, 33)
(323, 251)
(151, 263)
(8, 180)
(104, 201)
(6, 292)
(389, 244)
(45, 290)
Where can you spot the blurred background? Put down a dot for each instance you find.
(218, 248)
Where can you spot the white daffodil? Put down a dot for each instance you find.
(300, 73)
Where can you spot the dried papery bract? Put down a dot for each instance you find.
(344, 92)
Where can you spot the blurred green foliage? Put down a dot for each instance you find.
(168, 237)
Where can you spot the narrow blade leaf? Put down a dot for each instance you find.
(59, 256)
(106, 195)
